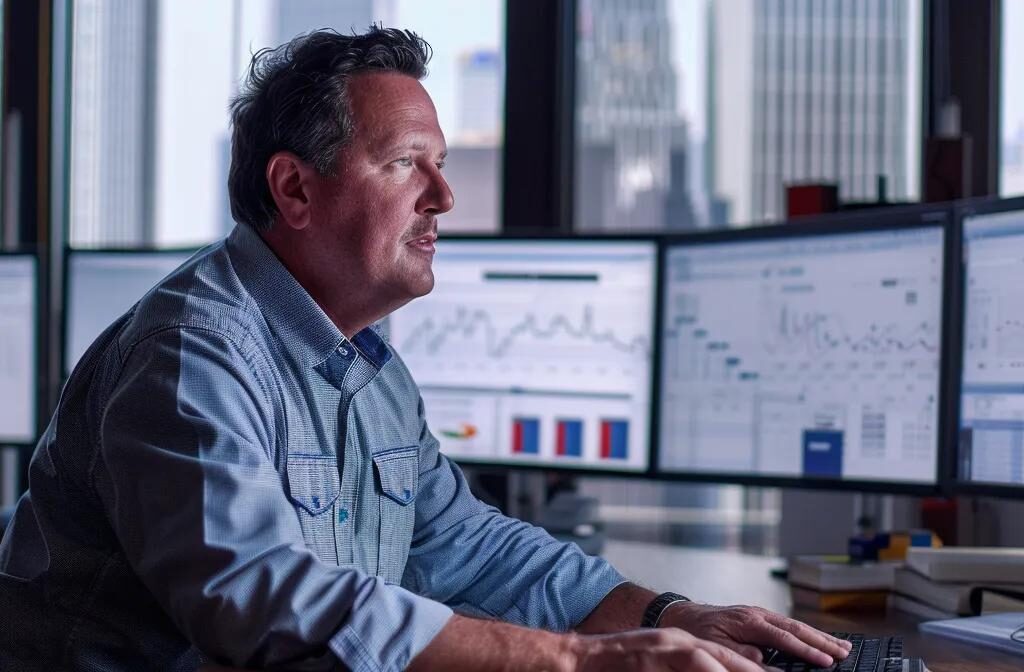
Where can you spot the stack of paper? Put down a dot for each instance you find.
(835, 583)
(948, 582)
(1000, 631)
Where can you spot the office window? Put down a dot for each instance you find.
(1011, 104)
(741, 98)
(152, 81)
(3, 129)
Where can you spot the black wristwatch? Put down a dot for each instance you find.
(656, 609)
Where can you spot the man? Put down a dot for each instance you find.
(239, 469)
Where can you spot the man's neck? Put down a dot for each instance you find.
(350, 309)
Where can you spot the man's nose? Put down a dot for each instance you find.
(438, 197)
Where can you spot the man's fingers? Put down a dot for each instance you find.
(833, 646)
(776, 636)
(749, 652)
(730, 659)
(703, 661)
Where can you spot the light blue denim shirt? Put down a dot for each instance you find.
(227, 477)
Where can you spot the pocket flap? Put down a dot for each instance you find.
(398, 470)
(313, 481)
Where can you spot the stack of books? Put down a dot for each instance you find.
(959, 581)
(837, 583)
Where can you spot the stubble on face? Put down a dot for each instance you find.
(389, 191)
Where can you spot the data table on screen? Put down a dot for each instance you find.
(804, 357)
(102, 285)
(991, 437)
(532, 352)
(18, 295)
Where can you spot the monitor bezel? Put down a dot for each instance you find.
(38, 391)
(878, 220)
(71, 252)
(539, 236)
(963, 210)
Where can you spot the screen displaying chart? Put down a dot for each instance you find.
(536, 352)
(104, 285)
(992, 383)
(18, 296)
(804, 357)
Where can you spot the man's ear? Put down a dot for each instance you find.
(290, 181)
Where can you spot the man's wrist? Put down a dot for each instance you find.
(679, 614)
(658, 606)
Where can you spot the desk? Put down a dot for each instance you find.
(724, 577)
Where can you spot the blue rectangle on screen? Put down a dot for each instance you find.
(526, 436)
(615, 439)
(569, 438)
(823, 452)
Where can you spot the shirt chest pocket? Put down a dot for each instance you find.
(314, 484)
(397, 477)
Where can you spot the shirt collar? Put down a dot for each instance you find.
(291, 313)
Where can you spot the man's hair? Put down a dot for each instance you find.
(295, 99)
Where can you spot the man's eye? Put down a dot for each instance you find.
(405, 161)
(441, 164)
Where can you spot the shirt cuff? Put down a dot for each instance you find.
(604, 580)
(387, 628)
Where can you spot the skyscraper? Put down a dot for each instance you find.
(479, 98)
(111, 122)
(626, 102)
(295, 17)
(810, 90)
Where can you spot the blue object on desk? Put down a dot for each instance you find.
(1001, 631)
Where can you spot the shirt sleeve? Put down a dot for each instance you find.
(468, 555)
(186, 473)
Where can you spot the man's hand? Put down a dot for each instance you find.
(471, 645)
(667, 649)
(743, 629)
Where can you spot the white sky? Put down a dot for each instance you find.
(1012, 111)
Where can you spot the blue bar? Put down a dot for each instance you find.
(823, 452)
(528, 433)
(615, 437)
(570, 438)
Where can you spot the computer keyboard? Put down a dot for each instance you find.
(869, 654)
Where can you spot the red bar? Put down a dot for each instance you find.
(606, 439)
(560, 445)
(517, 437)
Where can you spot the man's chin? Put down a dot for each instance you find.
(424, 286)
(416, 286)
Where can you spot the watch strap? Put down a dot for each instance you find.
(656, 609)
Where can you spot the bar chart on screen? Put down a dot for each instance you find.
(543, 349)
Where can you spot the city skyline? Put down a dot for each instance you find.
(632, 138)
(170, 131)
(167, 185)
(796, 99)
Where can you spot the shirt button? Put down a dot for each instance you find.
(342, 515)
(343, 351)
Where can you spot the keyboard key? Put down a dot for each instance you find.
(868, 654)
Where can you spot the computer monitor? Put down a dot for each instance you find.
(991, 381)
(536, 352)
(19, 336)
(101, 285)
(806, 354)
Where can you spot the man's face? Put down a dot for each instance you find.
(376, 219)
